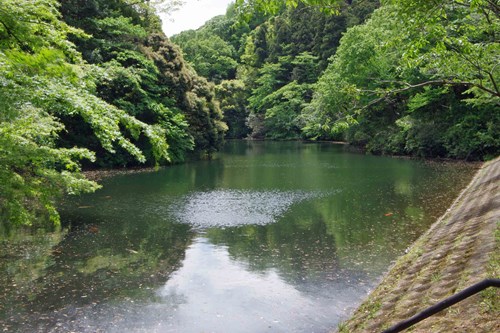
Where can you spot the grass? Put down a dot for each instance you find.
(342, 328)
(372, 308)
(491, 297)
(435, 277)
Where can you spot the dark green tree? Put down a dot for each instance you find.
(233, 103)
(142, 72)
(211, 56)
(43, 83)
(410, 79)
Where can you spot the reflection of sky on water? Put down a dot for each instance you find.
(213, 293)
(228, 208)
(231, 299)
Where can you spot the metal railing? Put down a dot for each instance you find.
(446, 303)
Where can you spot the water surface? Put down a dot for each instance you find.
(267, 237)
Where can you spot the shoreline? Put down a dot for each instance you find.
(458, 250)
(99, 174)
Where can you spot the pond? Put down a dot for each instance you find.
(266, 237)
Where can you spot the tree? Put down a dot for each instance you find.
(270, 78)
(211, 56)
(33, 171)
(44, 80)
(363, 63)
(282, 119)
(145, 75)
(232, 96)
(453, 42)
(399, 85)
(273, 6)
(188, 92)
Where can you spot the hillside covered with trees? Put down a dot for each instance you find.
(405, 77)
(91, 84)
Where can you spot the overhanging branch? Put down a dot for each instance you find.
(387, 93)
(9, 31)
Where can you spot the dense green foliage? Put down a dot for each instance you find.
(273, 6)
(92, 81)
(417, 78)
(96, 83)
(213, 57)
(215, 52)
(276, 57)
(142, 72)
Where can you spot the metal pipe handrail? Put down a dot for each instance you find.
(446, 303)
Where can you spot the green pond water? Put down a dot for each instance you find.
(266, 237)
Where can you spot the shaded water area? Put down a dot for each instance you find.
(267, 237)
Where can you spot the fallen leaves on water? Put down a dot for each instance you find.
(93, 229)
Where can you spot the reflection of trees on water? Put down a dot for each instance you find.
(108, 261)
(376, 220)
(299, 249)
(357, 231)
(24, 259)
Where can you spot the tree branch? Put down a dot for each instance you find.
(386, 94)
(492, 79)
(23, 45)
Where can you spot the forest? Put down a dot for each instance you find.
(97, 84)
(395, 77)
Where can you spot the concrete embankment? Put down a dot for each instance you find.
(460, 249)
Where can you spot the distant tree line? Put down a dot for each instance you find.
(409, 77)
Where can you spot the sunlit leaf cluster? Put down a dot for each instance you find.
(411, 78)
(327, 6)
(111, 90)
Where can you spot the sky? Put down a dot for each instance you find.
(193, 14)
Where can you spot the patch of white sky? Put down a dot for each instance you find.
(192, 15)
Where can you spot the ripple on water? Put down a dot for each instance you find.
(229, 208)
